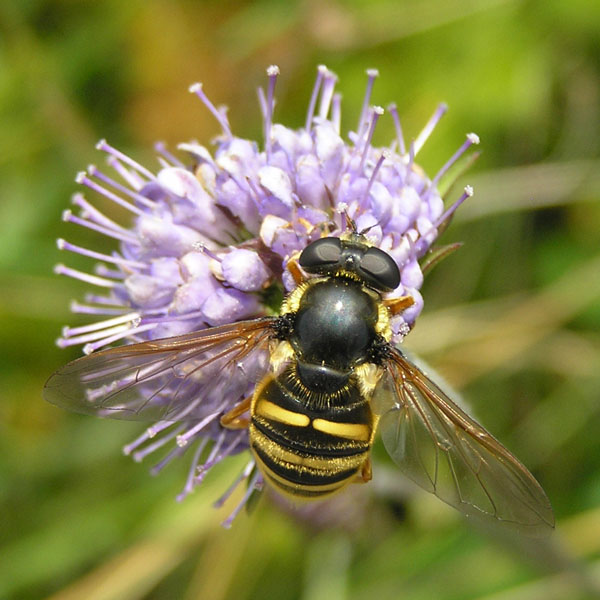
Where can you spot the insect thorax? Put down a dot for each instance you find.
(336, 321)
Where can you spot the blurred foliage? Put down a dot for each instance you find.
(511, 319)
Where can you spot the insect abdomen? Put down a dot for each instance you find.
(307, 446)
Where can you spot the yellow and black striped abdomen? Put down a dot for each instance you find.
(309, 445)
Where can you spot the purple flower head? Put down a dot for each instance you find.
(210, 235)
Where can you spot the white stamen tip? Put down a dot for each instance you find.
(386, 153)
(195, 87)
(101, 144)
(372, 72)
(473, 138)
(468, 190)
(66, 214)
(378, 110)
(151, 432)
(59, 269)
(88, 349)
(60, 244)
(92, 169)
(79, 178)
(272, 70)
(181, 441)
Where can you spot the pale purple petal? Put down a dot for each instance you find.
(162, 237)
(244, 270)
(227, 305)
(330, 150)
(147, 292)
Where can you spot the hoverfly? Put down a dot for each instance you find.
(327, 379)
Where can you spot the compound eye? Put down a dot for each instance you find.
(381, 268)
(321, 254)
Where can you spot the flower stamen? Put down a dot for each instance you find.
(468, 192)
(272, 72)
(239, 479)
(130, 177)
(83, 179)
(384, 155)
(104, 146)
(127, 332)
(95, 172)
(252, 487)
(159, 443)
(376, 112)
(472, 139)
(61, 269)
(84, 309)
(393, 110)
(98, 325)
(336, 112)
(69, 217)
(188, 488)
(89, 211)
(109, 300)
(210, 461)
(117, 260)
(159, 466)
(96, 335)
(183, 440)
(321, 72)
(196, 88)
(329, 81)
(440, 111)
(372, 74)
(161, 148)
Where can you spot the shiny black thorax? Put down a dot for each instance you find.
(333, 331)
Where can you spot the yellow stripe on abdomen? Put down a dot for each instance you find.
(352, 431)
(300, 445)
(267, 409)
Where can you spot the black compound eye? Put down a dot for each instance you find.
(320, 254)
(381, 268)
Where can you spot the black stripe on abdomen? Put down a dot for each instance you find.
(307, 452)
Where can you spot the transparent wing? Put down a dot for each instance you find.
(167, 379)
(439, 447)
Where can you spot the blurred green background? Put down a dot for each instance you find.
(511, 319)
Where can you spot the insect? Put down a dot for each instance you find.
(327, 377)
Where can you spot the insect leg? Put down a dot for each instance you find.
(366, 473)
(397, 305)
(233, 419)
(295, 272)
